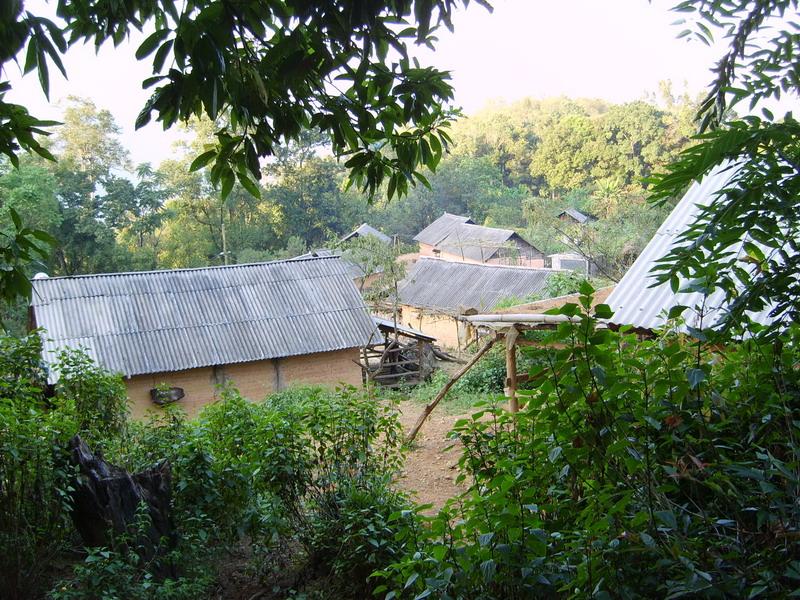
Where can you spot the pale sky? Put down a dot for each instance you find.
(615, 49)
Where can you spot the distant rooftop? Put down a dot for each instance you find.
(441, 228)
(577, 216)
(458, 235)
(365, 229)
(476, 242)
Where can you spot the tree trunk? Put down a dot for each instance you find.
(106, 500)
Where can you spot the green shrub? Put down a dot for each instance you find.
(122, 574)
(351, 530)
(342, 519)
(98, 398)
(34, 479)
(273, 471)
(304, 465)
(488, 376)
(637, 468)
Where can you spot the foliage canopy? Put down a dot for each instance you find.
(269, 70)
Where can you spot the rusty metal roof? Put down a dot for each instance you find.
(453, 287)
(160, 321)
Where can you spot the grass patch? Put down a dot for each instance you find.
(459, 399)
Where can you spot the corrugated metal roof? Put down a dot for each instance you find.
(452, 287)
(159, 321)
(440, 228)
(634, 302)
(476, 242)
(365, 229)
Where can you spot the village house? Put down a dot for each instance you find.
(458, 238)
(260, 327)
(435, 293)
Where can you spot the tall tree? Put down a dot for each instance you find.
(30, 190)
(90, 152)
(135, 210)
(564, 157)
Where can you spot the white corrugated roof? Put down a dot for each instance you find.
(365, 229)
(635, 302)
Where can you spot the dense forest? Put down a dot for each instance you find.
(511, 165)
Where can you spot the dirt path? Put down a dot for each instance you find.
(430, 470)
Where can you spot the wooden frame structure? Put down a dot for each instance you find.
(507, 325)
(402, 357)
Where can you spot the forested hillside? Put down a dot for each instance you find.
(512, 166)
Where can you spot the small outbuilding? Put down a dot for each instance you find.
(181, 334)
(570, 261)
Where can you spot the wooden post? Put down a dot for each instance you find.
(511, 369)
(419, 361)
(446, 388)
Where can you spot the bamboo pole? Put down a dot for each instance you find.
(429, 408)
(511, 370)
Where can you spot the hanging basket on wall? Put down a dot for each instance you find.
(162, 396)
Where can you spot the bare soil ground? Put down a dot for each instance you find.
(430, 470)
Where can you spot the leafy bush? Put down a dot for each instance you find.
(98, 398)
(656, 468)
(355, 441)
(487, 376)
(351, 530)
(289, 467)
(122, 574)
(34, 479)
(562, 284)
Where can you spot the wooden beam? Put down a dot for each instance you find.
(511, 370)
(443, 392)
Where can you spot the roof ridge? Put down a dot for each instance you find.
(186, 269)
(214, 288)
(487, 265)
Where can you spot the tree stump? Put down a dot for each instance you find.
(106, 500)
